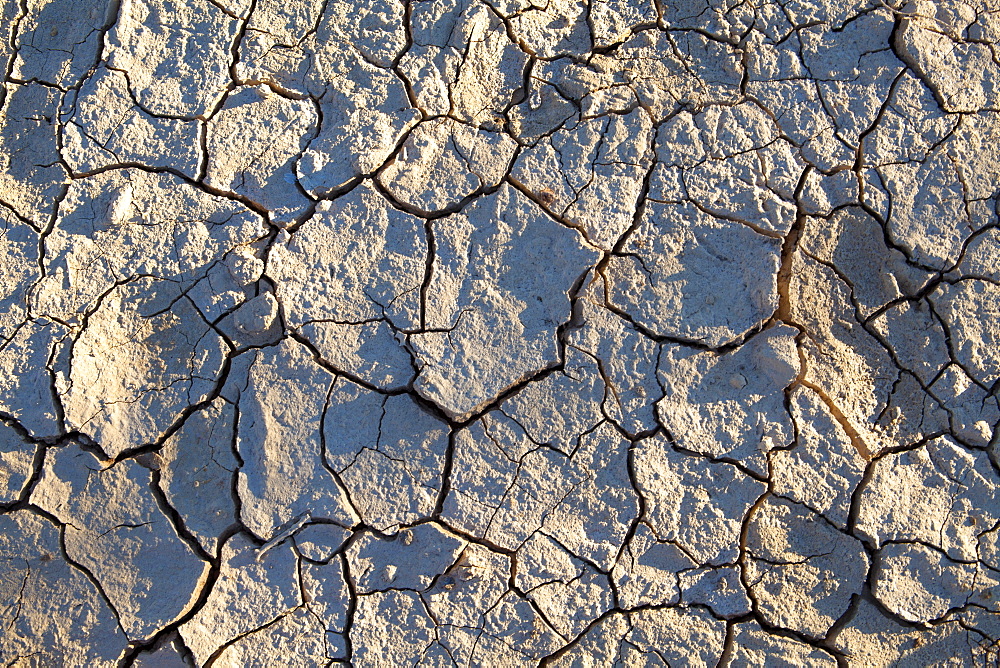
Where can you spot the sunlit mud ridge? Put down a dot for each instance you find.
(499, 333)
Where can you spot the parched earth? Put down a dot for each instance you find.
(499, 333)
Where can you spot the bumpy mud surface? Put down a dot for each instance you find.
(499, 332)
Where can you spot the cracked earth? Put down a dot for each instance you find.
(499, 332)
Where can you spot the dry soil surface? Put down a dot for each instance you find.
(499, 333)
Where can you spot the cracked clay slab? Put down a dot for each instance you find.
(511, 333)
